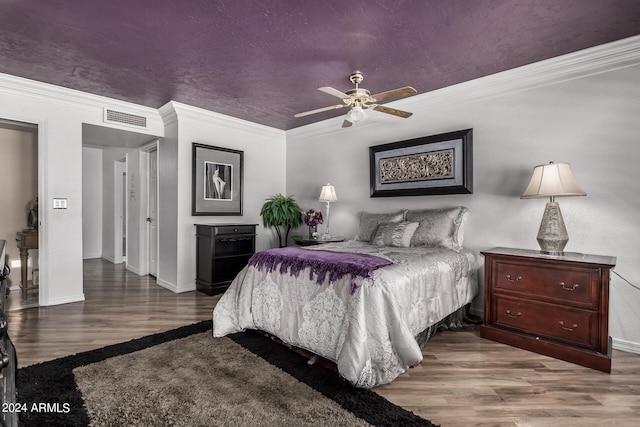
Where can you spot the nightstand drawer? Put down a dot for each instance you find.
(563, 324)
(234, 229)
(576, 285)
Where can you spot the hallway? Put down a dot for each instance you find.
(119, 306)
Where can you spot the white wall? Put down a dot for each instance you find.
(592, 122)
(91, 203)
(264, 175)
(110, 155)
(59, 114)
(169, 186)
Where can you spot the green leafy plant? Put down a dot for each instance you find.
(282, 213)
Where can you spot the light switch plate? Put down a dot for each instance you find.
(59, 203)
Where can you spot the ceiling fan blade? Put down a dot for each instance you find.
(334, 92)
(395, 93)
(392, 111)
(319, 110)
(346, 124)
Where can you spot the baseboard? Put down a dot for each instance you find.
(65, 300)
(175, 288)
(186, 289)
(108, 258)
(628, 346)
(167, 285)
(133, 269)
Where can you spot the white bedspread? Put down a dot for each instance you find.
(368, 334)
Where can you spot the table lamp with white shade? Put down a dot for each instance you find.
(552, 180)
(328, 195)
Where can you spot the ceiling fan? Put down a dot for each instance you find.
(359, 100)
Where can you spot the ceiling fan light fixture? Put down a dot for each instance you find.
(357, 114)
(359, 99)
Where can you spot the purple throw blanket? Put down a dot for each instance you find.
(321, 263)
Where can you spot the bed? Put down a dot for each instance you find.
(372, 323)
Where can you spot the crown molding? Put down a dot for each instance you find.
(76, 99)
(583, 63)
(168, 113)
(184, 111)
(576, 65)
(595, 60)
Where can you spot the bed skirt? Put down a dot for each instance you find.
(459, 319)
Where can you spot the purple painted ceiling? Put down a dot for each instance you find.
(263, 60)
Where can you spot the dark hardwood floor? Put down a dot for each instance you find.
(464, 380)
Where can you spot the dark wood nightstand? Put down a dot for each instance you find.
(553, 305)
(222, 250)
(306, 241)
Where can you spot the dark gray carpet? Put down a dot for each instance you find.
(187, 377)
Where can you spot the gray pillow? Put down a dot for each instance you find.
(439, 227)
(369, 223)
(394, 234)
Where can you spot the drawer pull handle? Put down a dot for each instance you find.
(566, 328)
(572, 288)
(515, 316)
(516, 280)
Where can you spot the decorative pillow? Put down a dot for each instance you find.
(439, 227)
(370, 221)
(394, 234)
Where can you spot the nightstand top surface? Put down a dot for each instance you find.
(229, 224)
(567, 256)
(306, 241)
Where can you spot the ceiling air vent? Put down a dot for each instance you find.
(114, 116)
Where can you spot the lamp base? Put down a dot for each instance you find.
(552, 235)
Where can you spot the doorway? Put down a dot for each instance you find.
(152, 211)
(19, 212)
(120, 211)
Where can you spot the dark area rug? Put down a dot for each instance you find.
(54, 382)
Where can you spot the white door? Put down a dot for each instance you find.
(120, 212)
(152, 218)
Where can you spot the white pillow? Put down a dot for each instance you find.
(439, 227)
(392, 234)
(369, 223)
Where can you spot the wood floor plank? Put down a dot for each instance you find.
(463, 381)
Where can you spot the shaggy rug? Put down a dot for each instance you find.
(185, 377)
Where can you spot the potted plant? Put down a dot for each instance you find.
(282, 213)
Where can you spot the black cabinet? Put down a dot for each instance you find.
(222, 250)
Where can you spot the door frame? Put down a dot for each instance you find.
(119, 204)
(144, 212)
(43, 218)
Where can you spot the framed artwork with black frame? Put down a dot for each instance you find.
(436, 164)
(217, 181)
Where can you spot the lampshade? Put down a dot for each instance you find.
(552, 180)
(328, 193)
